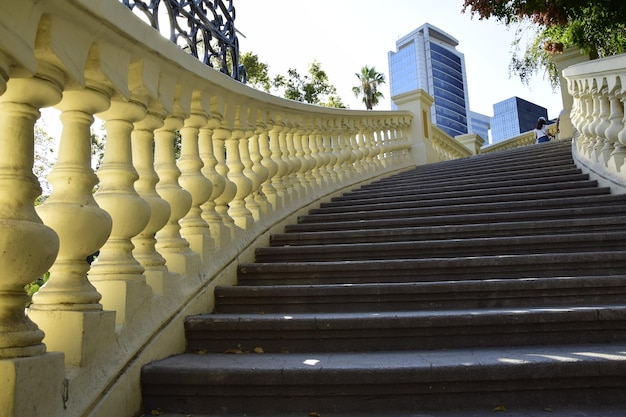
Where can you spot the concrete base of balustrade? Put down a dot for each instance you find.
(33, 386)
(202, 244)
(185, 263)
(82, 335)
(162, 282)
(123, 297)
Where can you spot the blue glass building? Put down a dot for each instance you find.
(427, 59)
(514, 116)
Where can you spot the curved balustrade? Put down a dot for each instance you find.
(599, 91)
(166, 230)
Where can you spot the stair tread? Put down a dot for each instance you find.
(248, 369)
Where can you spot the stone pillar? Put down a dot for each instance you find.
(569, 57)
(116, 273)
(418, 102)
(28, 247)
(193, 226)
(471, 141)
(170, 244)
(83, 227)
(145, 251)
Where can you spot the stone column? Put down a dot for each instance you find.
(116, 273)
(83, 227)
(569, 57)
(145, 251)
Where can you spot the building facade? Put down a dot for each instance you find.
(514, 116)
(427, 59)
(480, 125)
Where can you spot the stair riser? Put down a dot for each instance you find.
(449, 300)
(390, 394)
(458, 231)
(382, 339)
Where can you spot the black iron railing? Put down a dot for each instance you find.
(204, 28)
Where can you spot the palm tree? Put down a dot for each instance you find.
(370, 80)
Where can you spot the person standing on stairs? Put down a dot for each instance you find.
(541, 130)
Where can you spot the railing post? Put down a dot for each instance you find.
(116, 273)
(267, 187)
(261, 172)
(145, 251)
(170, 244)
(193, 227)
(277, 157)
(83, 227)
(242, 185)
(28, 247)
(248, 149)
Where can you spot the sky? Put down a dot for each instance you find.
(345, 35)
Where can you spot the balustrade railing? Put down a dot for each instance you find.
(165, 230)
(599, 91)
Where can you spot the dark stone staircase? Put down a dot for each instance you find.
(492, 282)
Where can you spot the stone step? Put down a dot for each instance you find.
(404, 330)
(429, 218)
(422, 296)
(514, 227)
(446, 191)
(434, 269)
(451, 247)
(485, 203)
(407, 382)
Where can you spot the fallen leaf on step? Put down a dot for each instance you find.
(202, 352)
(548, 409)
(258, 350)
(499, 408)
(314, 414)
(237, 351)
(155, 412)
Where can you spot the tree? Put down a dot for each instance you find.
(597, 27)
(312, 88)
(369, 81)
(257, 72)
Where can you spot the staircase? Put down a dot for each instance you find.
(496, 282)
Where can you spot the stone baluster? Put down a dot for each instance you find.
(301, 165)
(308, 161)
(193, 227)
(170, 244)
(316, 155)
(261, 172)
(339, 152)
(277, 156)
(28, 246)
(267, 187)
(603, 147)
(83, 227)
(220, 136)
(615, 157)
(143, 138)
(219, 231)
(620, 149)
(285, 139)
(243, 185)
(116, 273)
(330, 158)
(248, 146)
(593, 110)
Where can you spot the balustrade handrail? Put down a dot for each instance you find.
(166, 230)
(599, 91)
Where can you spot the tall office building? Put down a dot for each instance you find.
(427, 59)
(480, 124)
(514, 116)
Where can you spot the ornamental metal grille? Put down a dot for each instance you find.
(204, 28)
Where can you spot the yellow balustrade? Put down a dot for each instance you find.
(166, 228)
(599, 94)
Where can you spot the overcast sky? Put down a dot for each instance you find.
(345, 35)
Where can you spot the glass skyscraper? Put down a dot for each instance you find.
(427, 59)
(514, 116)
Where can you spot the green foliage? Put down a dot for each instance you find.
(34, 286)
(369, 80)
(313, 88)
(597, 28)
(258, 72)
